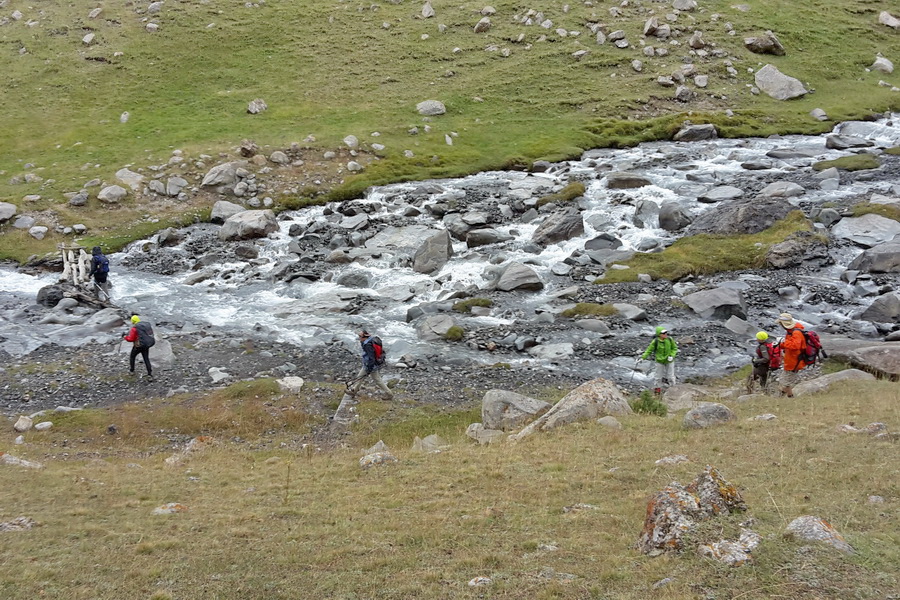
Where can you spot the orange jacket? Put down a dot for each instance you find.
(792, 347)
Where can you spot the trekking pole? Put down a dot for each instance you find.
(636, 363)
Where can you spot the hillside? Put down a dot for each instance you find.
(92, 90)
(266, 512)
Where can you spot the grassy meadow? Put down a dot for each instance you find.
(330, 69)
(267, 518)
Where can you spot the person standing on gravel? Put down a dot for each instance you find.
(664, 349)
(793, 349)
(141, 336)
(767, 357)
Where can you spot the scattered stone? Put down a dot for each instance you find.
(23, 424)
(674, 459)
(477, 432)
(248, 224)
(43, 426)
(431, 108)
(290, 385)
(818, 114)
(170, 509)
(707, 415)
(7, 211)
(718, 303)
(377, 459)
(733, 553)
(765, 44)
(18, 524)
(112, 194)
(696, 133)
(778, 85)
(197, 444)
(504, 410)
(621, 180)
(886, 18)
(8, 459)
(480, 581)
(483, 25)
(814, 529)
(430, 445)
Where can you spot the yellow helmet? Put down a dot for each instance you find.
(762, 336)
(135, 319)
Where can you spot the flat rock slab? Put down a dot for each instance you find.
(867, 230)
(821, 384)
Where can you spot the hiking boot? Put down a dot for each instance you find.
(787, 391)
(387, 396)
(149, 377)
(657, 391)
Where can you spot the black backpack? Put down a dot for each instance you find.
(145, 335)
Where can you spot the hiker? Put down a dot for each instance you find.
(141, 335)
(664, 350)
(768, 358)
(373, 360)
(100, 270)
(794, 349)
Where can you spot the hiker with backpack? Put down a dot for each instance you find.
(800, 348)
(100, 270)
(767, 359)
(142, 338)
(373, 359)
(664, 349)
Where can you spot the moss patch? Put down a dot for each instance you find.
(589, 309)
(465, 306)
(885, 210)
(454, 334)
(856, 162)
(567, 194)
(705, 254)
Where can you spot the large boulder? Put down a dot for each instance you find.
(621, 180)
(112, 194)
(435, 327)
(883, 360)
(718, 303)
(764, 44)
(486, 236)
(224, 174)
(431, 108)
(434, 253)
(882, 258)
(696, 133)
(778, 85)
(223, 209)
(560, 226)
(7, 211)
(802, 247)
(247, 225)
(684, 396)
(821, 384)
(866, 231)
(720, 193)
(596, 398)
(885, 309)
(707, 415)
(741, 216)
(673, 217)
(505, 410)
(519, 277)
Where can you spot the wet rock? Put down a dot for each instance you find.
(845, 142)
(560, 226)
(588, 401)
(247, 225)
(884, 309)
(880, 258)
(354, 279)
(433, 254)
(866, 231)
(519, 277)
(646, 213)
(778, 85)
(707, 415)
(551, 352)
(741, 216)
(719, 194)
(697, 133)
(604, 241)
(767, 43)
(480, 434)
(823, 383)
(435, 327)
(718, 303)
(809, 528)
(621, 180)
(630, 311)
(486, 236)
(504, 410)
(672, 217)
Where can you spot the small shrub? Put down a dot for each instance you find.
(589, 309)
(648, 404)
(465, 306)
(856, 162)
(567, 194)
(454, 334)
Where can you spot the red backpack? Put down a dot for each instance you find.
(774, 354)
(813, 349)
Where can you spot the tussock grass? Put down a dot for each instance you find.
(705, 254)
(856, 162)
(567, 194)
(454, 334)
(888, 211)
(589, 309)
(264, 524)
(465, 306)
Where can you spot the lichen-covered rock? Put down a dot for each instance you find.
(378, 458)
(8, 459)
(815, 529)
(170, 509)
(708, 415)
(590, 400)
(731, 552)
(480, 434)
(715, 495)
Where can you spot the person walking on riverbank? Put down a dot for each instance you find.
(372, 361)
(793, 348)
(100, 272)
(141, 336)
(664, 349)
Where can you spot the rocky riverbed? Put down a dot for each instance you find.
(266, 295)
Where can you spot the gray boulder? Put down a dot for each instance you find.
(224, 174)
(845, 142)
(741, 216)
(431, 108)
(247, 225)
(458, 228)
(782, 189)
(719, 303)
(685, 396)
(519, 277)
(222, 210)
(697, 133)
(434, 253)
(646, 213)
(866, 231)
(821, 384)
(596, 398)
(354, 279)
(672, 217)
(505, 410)
(814, 529)
(112, 194)
(778, 85)
(435, 327)
(483, 237)
(886, 18)
(802, 247)
(883, 258)
(764, 44)
(720, 194)
(175, 185)
(24, 222)
(38, 232)
(7, 211)
(707, 415)
(560, 226)
(884, 360)
(482, 435)
(885, 309)
(620, 180)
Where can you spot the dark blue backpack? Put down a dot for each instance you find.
(102, 263)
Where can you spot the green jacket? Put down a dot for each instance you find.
(662, 349)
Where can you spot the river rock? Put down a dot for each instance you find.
(697, 133)
(866, 231)
(485, 236)
(884, 309)
(718, 303)
(881, 258)
(741, 216)
(588, 401)
(431, 108)
(621, 180)
(112, 194)
(778, 85)
(223, 209)
(802, 247)
(550, 352)
(630, 311)
(719, 194)
(434, 253)
(356, 279)
(845, 142)
(7, 211)
(646, 213)
(519, 277)
(482, 435)
(247, 225)
(823, 383)
(814, 529)
(673, 217)
(764, 44)
(707, 415)
(560, 226)
(504, 410)
(883, 360)
(782, 189)
(435, 327)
